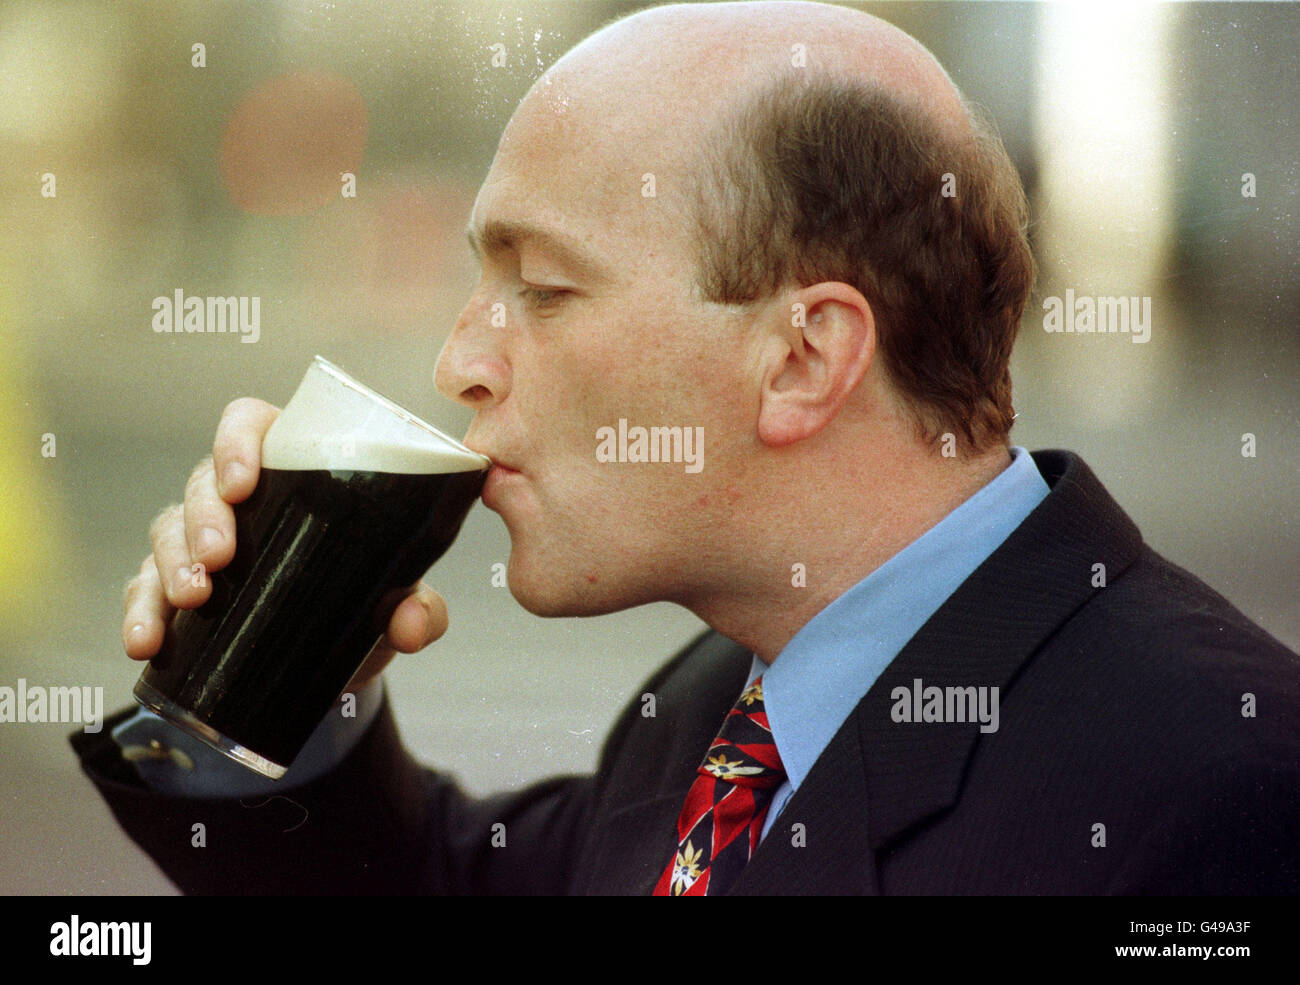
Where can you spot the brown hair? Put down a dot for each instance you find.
(829, 179)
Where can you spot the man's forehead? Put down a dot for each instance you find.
(676, 68)
(584, 182)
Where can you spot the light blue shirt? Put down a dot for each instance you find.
(814, 684)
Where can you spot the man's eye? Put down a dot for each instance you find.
(540, 297)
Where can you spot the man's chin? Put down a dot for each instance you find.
(559, 597)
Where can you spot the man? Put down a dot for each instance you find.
(960, 669)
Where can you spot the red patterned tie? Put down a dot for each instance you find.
(719, 826)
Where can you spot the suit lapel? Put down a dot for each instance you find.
(638, 845)
(637, 840)
(982, 636)
(816, 845)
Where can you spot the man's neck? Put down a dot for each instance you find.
(800, 569)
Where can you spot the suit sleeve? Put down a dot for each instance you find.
(378, 823)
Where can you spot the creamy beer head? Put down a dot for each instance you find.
(335, 424)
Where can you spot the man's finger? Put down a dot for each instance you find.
(184, 583)
(146, 613)
(418, 621)
(209, 520)
(237, 449)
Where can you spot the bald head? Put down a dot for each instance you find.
(662, 79)
(682, 64)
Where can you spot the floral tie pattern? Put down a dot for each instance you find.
(722, 819)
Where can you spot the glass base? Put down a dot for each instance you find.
(164, 707)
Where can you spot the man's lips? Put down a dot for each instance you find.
(497, 463)
(497, 476)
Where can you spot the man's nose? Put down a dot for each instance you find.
(472, 367)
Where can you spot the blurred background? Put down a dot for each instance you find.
(1158, 144)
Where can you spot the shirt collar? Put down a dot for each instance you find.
(816, 681)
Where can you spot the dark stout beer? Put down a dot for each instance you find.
(355, 500)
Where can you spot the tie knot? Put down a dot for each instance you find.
(744, 752)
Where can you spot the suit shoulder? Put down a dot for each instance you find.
(1159, 618)
(1159, 667)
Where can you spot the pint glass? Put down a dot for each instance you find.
(356, 499)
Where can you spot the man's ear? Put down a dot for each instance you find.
(820, 346)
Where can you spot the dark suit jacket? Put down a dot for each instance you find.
(1123, 762)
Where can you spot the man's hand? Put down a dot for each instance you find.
(202, 531)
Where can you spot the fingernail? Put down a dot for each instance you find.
(210, 539)
(182, 578)
(136, 633)
(234, 474)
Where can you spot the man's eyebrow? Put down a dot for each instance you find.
(499, 235)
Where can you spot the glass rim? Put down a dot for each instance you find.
(392, 406)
